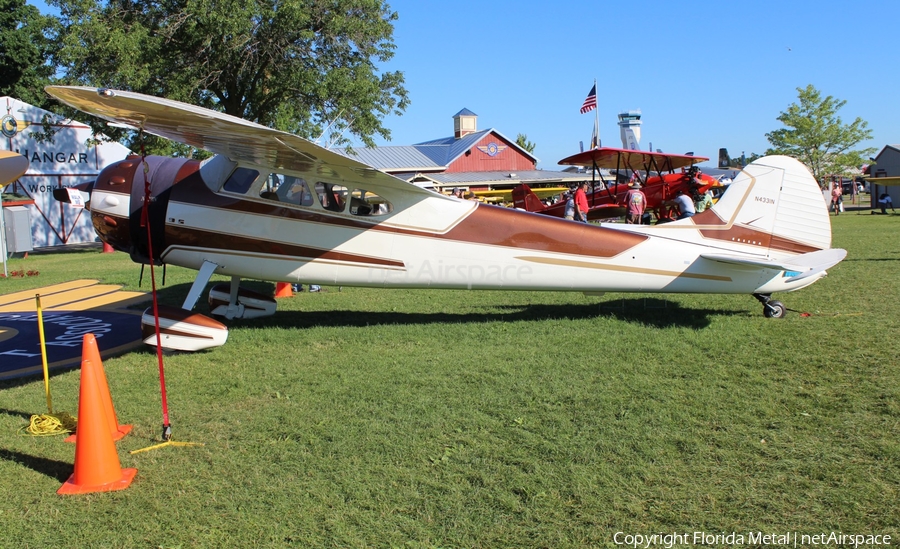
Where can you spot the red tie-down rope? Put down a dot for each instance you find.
(145, 222)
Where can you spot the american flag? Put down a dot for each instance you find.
(590, 102)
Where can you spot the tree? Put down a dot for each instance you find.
(308, 67)
(816, 136)
(743, 160)
(25, 42)
(522, 141)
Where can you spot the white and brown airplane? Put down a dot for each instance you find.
(272, 206)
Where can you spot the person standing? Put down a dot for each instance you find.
(635, 202)
(570, 205)
(836, 197)
(581, 203)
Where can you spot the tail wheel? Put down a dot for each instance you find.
(774, 309)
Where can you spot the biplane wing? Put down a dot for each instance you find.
(240, 140)
(612, 158)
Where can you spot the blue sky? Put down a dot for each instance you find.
(705, 74)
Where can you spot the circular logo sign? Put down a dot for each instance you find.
(8, 126)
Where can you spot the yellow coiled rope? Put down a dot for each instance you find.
(51, 424)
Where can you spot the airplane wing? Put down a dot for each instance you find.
(506, 194)
(884, 181)
(235, 138)
(12, 166)
(612, 158)
(799, 267)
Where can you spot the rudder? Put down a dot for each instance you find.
(525, 199)
(777, 196)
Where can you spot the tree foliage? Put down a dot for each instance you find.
(743, 160)
(309, 67)
(816, 135)
(522, 141)
(26, 39)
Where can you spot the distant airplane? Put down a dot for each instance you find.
(505, 195)
(606, 201)
(272, 206)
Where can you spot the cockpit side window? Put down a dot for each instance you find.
(286, 188)
(365, 203)
(294, 190)
(240, 180)
(270, 188)
(332, 197)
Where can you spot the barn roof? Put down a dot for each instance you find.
(434, 155)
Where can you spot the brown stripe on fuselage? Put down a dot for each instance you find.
(715, 228)
(496, 226)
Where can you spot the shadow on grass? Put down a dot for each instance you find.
(60, 470)
(23, 415)
(873, 259)
(658, 313)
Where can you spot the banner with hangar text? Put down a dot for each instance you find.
(66, 161)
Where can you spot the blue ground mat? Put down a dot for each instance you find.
(20, 349)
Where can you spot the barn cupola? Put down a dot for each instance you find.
(464, 123)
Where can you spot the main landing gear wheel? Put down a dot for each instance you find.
(771, 307)
(774, 309)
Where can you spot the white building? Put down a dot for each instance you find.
(887, 165)
(66, 161)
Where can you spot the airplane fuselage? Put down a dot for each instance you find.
(433, 242)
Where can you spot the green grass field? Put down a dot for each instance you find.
(393, 418)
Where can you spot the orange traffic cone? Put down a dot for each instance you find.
(283, 289)
(97, 467)
(89, 351)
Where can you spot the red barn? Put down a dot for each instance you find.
(469, 159)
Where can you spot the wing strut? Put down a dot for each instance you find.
(203, 275)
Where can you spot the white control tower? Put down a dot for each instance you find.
(630, 129)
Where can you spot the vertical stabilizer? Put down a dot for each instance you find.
(525, 199)
(776, 200)
(724, 159)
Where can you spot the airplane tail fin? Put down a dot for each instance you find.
(525, 199)
(775, 207)
(724, 159)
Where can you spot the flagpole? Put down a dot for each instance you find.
(597, 116)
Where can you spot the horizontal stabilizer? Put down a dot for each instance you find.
(803, 265)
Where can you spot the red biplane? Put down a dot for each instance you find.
(661, 175)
